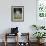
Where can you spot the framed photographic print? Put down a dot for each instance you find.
(17, 13)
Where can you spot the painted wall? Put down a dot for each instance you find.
(29, 15)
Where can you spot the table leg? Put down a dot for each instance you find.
(5, 40)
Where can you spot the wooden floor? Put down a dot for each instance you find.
(13, 44)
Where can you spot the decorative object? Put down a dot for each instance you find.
(17, 13)
(14, 30)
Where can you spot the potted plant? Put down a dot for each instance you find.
(39, 35)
